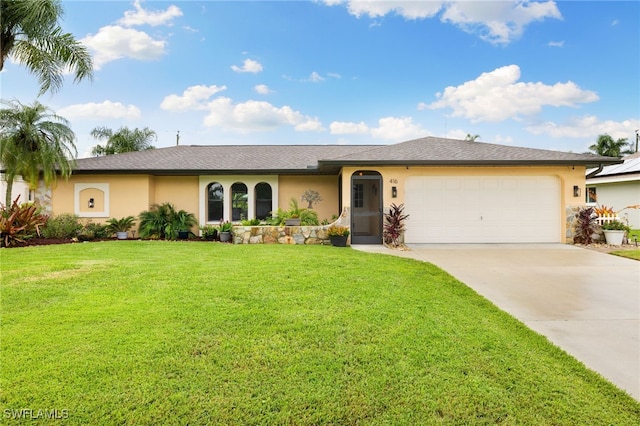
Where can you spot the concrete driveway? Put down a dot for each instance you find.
(585, 302)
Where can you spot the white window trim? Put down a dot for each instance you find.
(226, 181)
(79, 187)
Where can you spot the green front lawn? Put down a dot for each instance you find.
(140, 332)
(631, 254)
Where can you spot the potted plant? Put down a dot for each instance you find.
(338, 235)
(293, 213)
(225, 231)
(121, 226)
(182, 223)
(614, 232)
(209, 232)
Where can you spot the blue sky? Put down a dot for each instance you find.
(541, 74)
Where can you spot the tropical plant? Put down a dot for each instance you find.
(64, 225)
(122, 140)
(155, 223)
(182, 220)
(19, 222)
(337, 231)
(251, 222)
(614, 225)
(307, 217)
(394, 225)
(30, 34)
(225, 226)
(209, 232)
(163, 221)
(34, 142)
(123, 224)
(606, 146)
(585, 225)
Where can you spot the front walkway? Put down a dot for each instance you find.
(586, 302)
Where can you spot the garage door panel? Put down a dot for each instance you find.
(482, 209)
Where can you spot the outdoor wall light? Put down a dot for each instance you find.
(576, 191)
(91, 203)
(394, 192)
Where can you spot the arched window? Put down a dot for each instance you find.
(263, 200)
(239, 201)
(215, 198)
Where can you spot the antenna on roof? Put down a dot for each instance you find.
(637, 140)
(178, 138)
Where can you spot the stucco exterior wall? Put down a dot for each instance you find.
(397, 176)
(619, 195)
(295, 186)
(114, 196)
(181, 191)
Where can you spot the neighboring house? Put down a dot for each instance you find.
(617, 186)
(20, 188)
(454, 191)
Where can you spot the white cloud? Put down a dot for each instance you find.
(556, 43)
(262, 89)
(140, 16)
(249, 65)
(315, 77)
(498, 22)
(251, 116)
(347, 128)
(397, 129)
(102, 110)
(115, 42)
(587, 126)
(193, 98)
(497, 96)
(389, 128)
(407, 9)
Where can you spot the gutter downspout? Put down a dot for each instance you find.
(595, 172)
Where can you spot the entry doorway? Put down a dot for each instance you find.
(366, 207)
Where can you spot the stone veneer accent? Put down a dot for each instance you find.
(570, 214)
(288, 234)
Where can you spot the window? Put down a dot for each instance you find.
(591, 195)
(215, 197)
(358, 195)
(239, 201)
(263, 200)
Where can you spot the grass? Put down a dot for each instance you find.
(631, 254)
(134, 332)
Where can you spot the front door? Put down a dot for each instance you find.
(366, 208)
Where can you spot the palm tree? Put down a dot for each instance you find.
(471, 138)
(124, 140)
(607, 147)
(29, 32)
(34, 142)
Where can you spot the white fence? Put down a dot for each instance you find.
(607, 218)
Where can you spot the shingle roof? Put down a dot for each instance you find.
(198, 159)
(219, 158)
(434, 151)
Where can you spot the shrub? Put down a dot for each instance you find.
(394, 225)
(62, 226)
(615, 225)
(19, 222)
(586, 225)
(98, 230)
(163, 221)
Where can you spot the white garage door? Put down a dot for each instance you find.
(482, 209)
